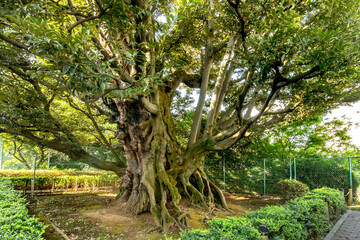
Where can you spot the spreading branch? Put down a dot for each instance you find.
(15, 43)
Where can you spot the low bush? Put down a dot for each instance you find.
(333, 197)
(231, 228)
(59, 180)
(280, 222)
(306, 217)
(15, 223)
(290, 189)
(311, 214)
(48, 173)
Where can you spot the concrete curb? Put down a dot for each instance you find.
(331, 234)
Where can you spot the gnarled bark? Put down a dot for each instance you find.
(159, 174)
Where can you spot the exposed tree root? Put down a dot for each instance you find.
(158, 174)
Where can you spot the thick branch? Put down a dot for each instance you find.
(74, 151)
(299, 77)
(149, 106)
(219, 86)
(14, 43)
(241, 18)
(209, 58)
(86, 19)
(190, 80)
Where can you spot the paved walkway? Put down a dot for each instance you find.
(348, 227)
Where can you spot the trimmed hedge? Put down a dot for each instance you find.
(230, 228)
(334, 198)
(15, 223)
(306, 217)
(48, 173)
(291, 189)
(60, 180)
(65, 182)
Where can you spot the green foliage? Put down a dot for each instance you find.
(49, 173)
(233, 228)
(311, 213)
(61, 180)
(334, 198)
(333, 173)
(307, 217)
(309, 138)
(242, 174)
(15, 223)
(290, 189)
(315, 172)
(196, 234)
(65, 64)
(77, 67)
(280, 222)
(225, 229)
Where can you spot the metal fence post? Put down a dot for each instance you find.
(264, 179)
(350, 172)
(294, 168)
(33, 179)
(290, 169)
(351, 184)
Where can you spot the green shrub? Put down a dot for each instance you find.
(65, 182)
(334, 198)
(291, 189)
(48, 173)
(280, 222)
(311, 214)
(15, 223)
(307, 217)
(195, 234)
(231, 228)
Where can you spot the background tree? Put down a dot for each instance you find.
(68, 66)
(310, 138)
(25, 154)
(319, 146)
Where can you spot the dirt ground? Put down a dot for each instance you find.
(93, 216)
(355, 207)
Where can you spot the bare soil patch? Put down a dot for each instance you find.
(354, 208)
(93, 216)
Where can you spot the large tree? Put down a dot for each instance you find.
(70, 67)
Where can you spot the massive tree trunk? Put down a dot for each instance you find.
(159, 174)
(127, 56)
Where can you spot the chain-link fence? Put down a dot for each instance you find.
(43, 171)
(260, 176)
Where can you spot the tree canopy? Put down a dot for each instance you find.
(311, 138)
(80, 73)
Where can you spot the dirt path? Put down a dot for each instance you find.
(92, 216)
